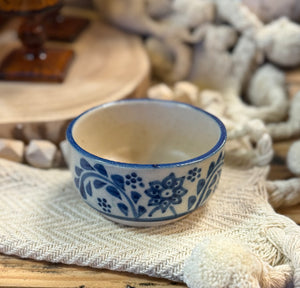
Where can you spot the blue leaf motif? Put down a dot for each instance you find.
(207, 195)
(211, 168)
(220, 157)
(191, 201)
(76, 180)
(113, 191)
(99, 184)
(135, 196)
(82, 191)
(200, 186)
(100, 168)
(214, 180)
(78, 171)
(118, 180)
(123, 208)
(89, 190)
(85, 165)
(141, 210)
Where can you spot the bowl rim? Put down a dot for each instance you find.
(217, 147)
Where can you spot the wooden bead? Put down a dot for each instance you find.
(40, 153)
(11, 150)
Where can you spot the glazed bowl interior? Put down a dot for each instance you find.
(146, 132)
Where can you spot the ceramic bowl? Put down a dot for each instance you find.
(146, 162)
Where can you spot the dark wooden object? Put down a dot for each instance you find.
(3, 20)
(34, 62)
(110, 65)
(61, 27)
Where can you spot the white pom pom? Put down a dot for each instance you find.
(224, 262)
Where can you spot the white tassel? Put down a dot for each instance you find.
(224, 262)
(284, 193)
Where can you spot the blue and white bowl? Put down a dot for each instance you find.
(146, 162)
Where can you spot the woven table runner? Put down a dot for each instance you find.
(42, 217)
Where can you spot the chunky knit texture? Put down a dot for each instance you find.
(43, 218)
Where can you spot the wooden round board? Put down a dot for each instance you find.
(109, 65)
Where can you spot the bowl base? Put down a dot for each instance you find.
(143, 223)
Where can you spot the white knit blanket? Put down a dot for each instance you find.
(236, 240)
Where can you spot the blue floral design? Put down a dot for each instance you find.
(90, 178)
(166, 193)
(193, 174)
(134, 180)
(206, 186)
(134, 198)
(102, 203)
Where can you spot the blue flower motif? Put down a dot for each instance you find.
(134, 180)
(193, 174)
(102, 202)
(166, 193)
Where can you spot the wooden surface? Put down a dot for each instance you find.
(109, 65)
(15, 272)
(24, 6)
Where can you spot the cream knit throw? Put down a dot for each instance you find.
(236, 240)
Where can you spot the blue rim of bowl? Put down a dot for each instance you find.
(218, 146)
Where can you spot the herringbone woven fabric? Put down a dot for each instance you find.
(43, 218)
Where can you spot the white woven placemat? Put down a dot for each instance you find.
(43, 218)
